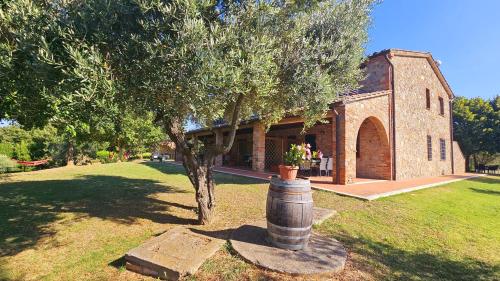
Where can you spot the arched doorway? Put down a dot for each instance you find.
(373, 159)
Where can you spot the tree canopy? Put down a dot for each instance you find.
(475, 125)
(79, 62)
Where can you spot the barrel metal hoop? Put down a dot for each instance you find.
(284, 237)
(288, 228)
(292, 183)
(288, 246)
(281, 190)
(294, 201)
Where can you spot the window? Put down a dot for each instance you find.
(441, 106)
(427, 99)
(442, 149)
(429, 148)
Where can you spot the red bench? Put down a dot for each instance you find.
(32, 163)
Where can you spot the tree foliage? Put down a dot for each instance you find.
(475, 125)
(78, 63)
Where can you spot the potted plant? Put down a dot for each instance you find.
(293, 158)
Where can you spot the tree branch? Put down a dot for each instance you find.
(235, 120)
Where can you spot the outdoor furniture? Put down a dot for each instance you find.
(329, 166)
(305, 168)
(323, 166)
(315, 165)
(492, 169)
(481, 168)
(32, 163)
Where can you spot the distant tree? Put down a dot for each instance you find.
(133, 133)
(138, 133)
(42, 141)
(48, 75)
(475, 126)
(21, 152)
(181, 60)
(6, 149)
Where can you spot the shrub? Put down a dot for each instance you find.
(22, 152)
(106, 157)
(102, 154)
(295, 156)
(6, 149)
(145, 155)
(6, 164)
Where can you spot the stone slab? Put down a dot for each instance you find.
(322, 214)
(172, 255)
(322, 255)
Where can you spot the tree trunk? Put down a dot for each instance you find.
(467, 163)
(201, 176)
(474, 157)
(69, 154)
(200, 169)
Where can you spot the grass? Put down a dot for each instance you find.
(76, 224)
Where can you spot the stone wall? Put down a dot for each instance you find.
(413, 122)
(356, 113)
(458, 159)
(373, 153)
(258, 147)
(377, 75)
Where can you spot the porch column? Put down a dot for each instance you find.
(258, 148)
(339, 146)
(219, 140)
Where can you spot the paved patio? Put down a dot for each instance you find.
(366, 189)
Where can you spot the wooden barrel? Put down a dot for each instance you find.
(289, 213)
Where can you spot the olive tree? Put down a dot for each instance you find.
(209, 61)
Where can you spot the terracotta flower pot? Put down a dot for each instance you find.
(288, 172)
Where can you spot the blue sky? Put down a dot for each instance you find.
(463, 34)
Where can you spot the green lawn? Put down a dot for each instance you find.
(76, 224)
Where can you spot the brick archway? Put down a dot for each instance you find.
(373, 158)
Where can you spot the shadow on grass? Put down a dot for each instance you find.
(486, 180)
(220, 178)
(27, 209)
(411, 265)
(485, 191)
(373, 256)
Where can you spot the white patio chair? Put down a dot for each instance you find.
(329, 166)
(322, 165)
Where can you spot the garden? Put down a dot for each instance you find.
(52, 149)
(76, 223)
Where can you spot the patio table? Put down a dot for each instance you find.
(315, 165)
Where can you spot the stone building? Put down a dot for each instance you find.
(398, 125)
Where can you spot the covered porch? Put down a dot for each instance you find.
(351, 152)
(355, 142)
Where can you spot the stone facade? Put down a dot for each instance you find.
(376, 148)
(458, 159)
(413, 122)
(259, 147)
(380, 131)
(377, 75)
